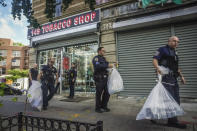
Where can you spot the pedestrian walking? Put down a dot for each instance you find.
(72, 75)
(167, 56)
(33, 74)
(49, 78)
(100, 78)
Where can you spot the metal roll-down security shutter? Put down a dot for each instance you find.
(187, 52)
(135, 54)
(135, 51)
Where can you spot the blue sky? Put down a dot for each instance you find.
(10, 28)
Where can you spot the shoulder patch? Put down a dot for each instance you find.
(96, 59)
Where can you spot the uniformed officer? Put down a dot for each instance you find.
(100, 78)
(48, 81)
(167, 57)
(72, 75)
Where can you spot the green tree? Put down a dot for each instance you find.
(17, 73)
(18, 44)
(24, 7)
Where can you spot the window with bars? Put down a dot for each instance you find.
(3, 52)
(58, 8)
(16, 53)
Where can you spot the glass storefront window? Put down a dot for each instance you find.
(82, 55)
(44, 56)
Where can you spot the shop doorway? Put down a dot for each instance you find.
(82, 56)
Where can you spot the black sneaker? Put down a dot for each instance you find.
(178, 125)
(106, 109)
(98, 111)
(153, 121)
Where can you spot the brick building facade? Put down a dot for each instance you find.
(15, 57)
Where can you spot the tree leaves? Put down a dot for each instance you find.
(2, 2)
(1, 92)
(50, 9)
(24, 7)
(17, 73)
(15, 99)
(91, 3)
(29, 96)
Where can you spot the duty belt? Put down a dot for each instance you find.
(170, 74)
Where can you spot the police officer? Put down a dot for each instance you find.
(166, 56)
(72, 75)
(48, 81)
(100, 78)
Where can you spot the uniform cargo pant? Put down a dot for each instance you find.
(45, 88)
(102, 94)
(171, 84)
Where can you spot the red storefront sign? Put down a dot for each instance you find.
(66, 63)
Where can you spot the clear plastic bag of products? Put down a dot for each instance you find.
(35, 95)
(159, 104)
(115, 82)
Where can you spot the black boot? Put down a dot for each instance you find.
(98, 110)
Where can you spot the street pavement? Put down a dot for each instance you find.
(122, 116)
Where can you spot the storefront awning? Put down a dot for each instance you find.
(159, 18)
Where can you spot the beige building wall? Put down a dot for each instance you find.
(32, 57)
(108, 40)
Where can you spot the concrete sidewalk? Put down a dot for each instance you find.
(121, 117)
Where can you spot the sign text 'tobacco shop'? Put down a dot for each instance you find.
(73, 21)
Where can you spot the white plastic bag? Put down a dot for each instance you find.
(159, 104)
(164, 70)
(115, 83)
(35, 95)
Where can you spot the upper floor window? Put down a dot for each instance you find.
(58, 8)
(2, 71)
(3, 62)
(16, 53)
(15, 62)
(3, 52)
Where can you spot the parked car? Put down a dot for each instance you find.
(17, 85)
(9, 90)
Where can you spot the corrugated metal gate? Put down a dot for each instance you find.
(187, 52)
(135, 51)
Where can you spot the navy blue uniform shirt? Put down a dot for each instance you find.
(100, 64)
(167, 57)
(48, 73)
(34, 73)
(72, 74)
